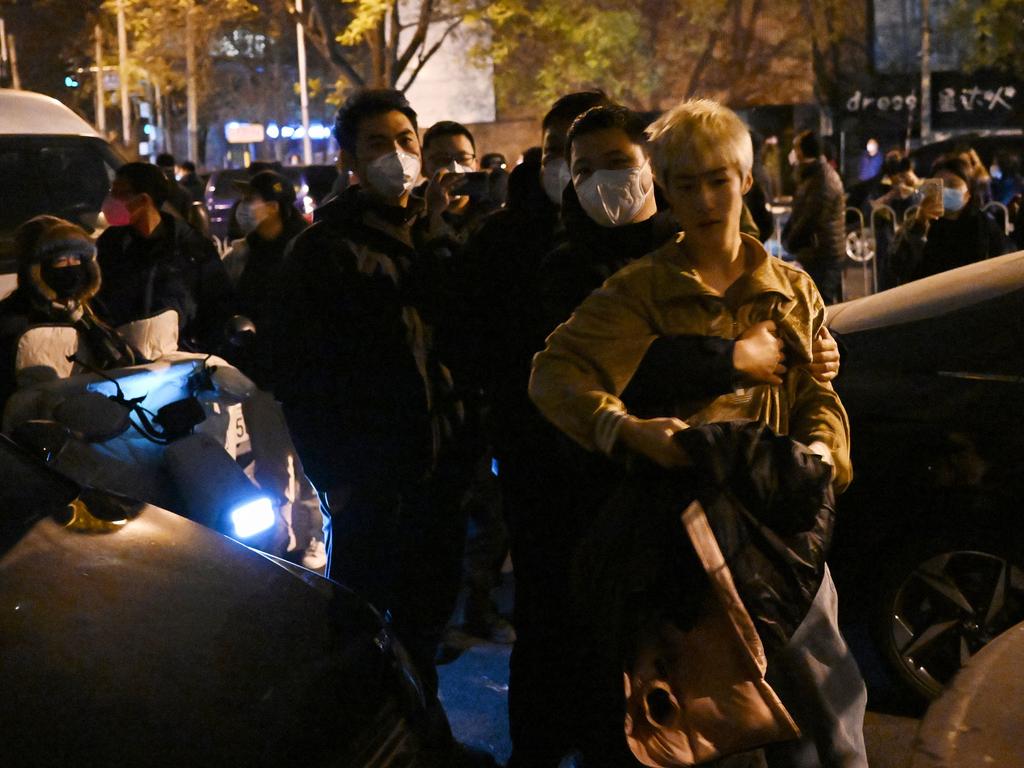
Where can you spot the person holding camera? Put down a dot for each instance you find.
(949, 228)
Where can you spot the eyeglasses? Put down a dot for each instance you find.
(462, 158)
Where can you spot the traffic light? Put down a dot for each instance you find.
(71, 81)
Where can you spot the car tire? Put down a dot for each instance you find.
(942, 608)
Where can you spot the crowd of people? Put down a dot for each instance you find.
(456, 347)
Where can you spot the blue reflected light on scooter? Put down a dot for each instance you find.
(252, 517)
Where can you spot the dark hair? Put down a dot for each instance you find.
(368, 103)
(165, 160)
(572, 105)
(602, 118)
(145, 179)
(446, 128)
(810, 145)
(956, 166)
(894, 163)
(188, 166)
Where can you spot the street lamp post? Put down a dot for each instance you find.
(101, 102)
(307, 146)
(122, 73)
(190, 84)
(926, 72)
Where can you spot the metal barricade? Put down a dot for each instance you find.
(860, 249)
(1007, 224)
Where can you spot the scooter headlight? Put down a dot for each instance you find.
(252, 517)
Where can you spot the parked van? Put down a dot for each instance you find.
(51, 161)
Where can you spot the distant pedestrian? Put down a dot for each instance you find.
(816, 231)
(870, 161)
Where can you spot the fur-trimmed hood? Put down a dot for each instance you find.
(44, 238)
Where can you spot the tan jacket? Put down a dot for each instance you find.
(589, 359)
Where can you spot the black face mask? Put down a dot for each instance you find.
(66, 282)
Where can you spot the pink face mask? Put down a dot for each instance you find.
(116, 212)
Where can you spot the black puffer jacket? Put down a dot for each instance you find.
(816, 230)
(770, 503)
(175, 268)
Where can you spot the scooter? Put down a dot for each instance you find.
(186, 432)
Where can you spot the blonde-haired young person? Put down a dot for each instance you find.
(713, 280)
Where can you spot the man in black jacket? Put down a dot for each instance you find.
(152, 261)
(816, 231)
(367, 399)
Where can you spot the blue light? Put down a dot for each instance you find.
(273, 131)
(253, 517)
(494, 467)
(147, 129)
(70, 82)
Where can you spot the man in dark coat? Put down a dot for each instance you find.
(152, 261)
(816, 231)
(367, 399)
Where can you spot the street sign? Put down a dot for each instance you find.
(244, 133)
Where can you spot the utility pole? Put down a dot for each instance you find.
(307, 146)
(13, 48)
(101, 102)
(926, 72)
(190, 83)
(3, 53)
(122, 75)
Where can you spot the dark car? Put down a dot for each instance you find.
(51, 161)
(132, 636)
(929, 542)
(312, 184)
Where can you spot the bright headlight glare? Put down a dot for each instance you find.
(253, 517)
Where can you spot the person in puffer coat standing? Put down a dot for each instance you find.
(816, 231)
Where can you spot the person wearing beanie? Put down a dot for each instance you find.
(58, 276)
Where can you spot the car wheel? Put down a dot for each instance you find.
(943, 611)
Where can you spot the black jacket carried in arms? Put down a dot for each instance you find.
(770, 503)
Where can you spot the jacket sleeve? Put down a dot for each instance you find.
(681, 368)
(817, 413)
(807, 205)
(577, 379)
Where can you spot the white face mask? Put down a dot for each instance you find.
(393, 174)
(614, 197)
(555, 177)
(953, 199)
(454, 167)
(250, 214)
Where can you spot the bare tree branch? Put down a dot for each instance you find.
(418, 38)
(424, 57)
(318, 35)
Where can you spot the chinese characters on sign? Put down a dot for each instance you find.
(969, 99)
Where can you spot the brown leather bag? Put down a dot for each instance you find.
(698, 695)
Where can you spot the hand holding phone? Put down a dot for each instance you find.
(931, 200)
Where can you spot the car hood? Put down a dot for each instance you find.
(931, 296)
(130, 635)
